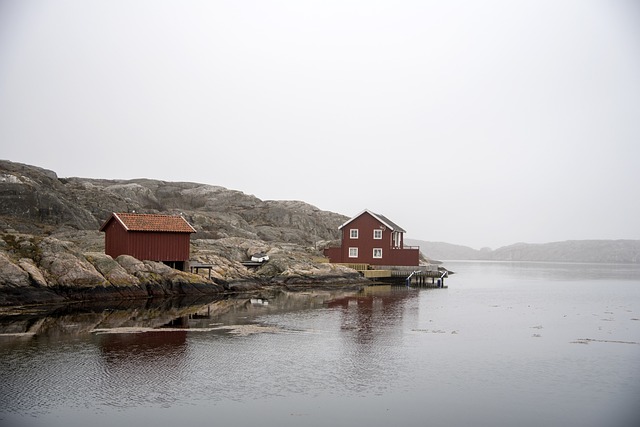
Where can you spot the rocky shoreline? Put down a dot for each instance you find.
(46, 270)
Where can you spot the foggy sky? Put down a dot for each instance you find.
(481, 123)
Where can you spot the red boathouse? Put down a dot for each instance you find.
(370, 238)
(164, 238)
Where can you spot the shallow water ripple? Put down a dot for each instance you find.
(539, 351)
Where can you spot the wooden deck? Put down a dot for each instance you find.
(424, 276)
(375, 274)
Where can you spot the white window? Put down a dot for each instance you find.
(353, 252)
(377, 252)
(396, 239)
(377, 234)
(353, 233)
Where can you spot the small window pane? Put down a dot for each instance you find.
(353, 252)
(377, 234)
(353, 233)
(377, 252)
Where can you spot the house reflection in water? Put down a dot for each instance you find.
(372, 333)
(374, 314)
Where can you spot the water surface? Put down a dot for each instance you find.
(505, 344)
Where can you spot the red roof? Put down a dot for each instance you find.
(151, 222)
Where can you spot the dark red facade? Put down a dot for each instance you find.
(161, 238)
(370, 238)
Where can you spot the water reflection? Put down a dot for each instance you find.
(139, 352)
(168, 315)
(373, 312)
(136, 368)
(372, 337)
(56, 322)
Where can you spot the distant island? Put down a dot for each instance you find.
(590, 251)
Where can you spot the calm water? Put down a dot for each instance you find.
(506, 344)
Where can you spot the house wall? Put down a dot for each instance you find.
(153, 246)
(115, 239)
(405, 257)
(159, 246)
(334, 254)
(365, 243)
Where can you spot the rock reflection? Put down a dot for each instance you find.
(54, 323)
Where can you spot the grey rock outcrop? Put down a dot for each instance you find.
(35, 275)
(12, 274)
(160, 280)
(36, 201)
(16, 287)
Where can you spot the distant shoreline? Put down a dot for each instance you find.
(574, 251)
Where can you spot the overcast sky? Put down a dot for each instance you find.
(481, 123)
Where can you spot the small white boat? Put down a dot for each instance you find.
(259, 257)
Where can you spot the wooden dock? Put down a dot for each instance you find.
(424, 276)
(427, 279)
(197, 266)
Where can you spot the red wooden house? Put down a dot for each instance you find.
(164, 238)
(370, 238)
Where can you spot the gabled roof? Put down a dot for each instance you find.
(151, 222)
(384, 220)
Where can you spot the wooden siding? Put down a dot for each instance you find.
(115, 239)
(404, 257)
(143, 245)
(334, 254)
(159, 246)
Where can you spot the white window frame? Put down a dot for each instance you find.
(396, 239)
(353, 252)
(379, 253)
(377, 234)
(353, 233)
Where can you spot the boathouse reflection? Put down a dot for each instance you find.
(132, 361)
